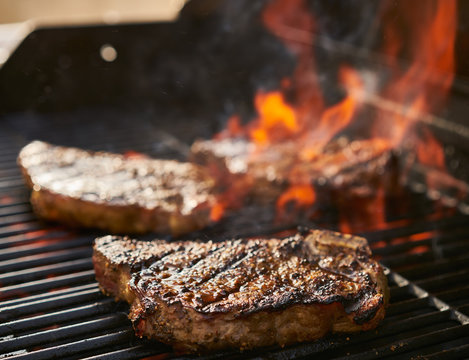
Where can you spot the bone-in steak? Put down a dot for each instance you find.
(114, 192)
(200, 296)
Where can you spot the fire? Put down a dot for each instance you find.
(430, 152)
(277, 120)
(334, 118)
(302, 195)
(217, 211)
(293, 23)
(411, 89)
(363, 214)
(423, 86)
(131, 154)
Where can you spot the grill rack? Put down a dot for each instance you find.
(51, 307)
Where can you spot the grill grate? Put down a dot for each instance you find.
(51, 307)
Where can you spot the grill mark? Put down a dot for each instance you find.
(247, 253)
(189, 271)
(152, 259)
(192, 262)
(237, 271)
(151, 282)
(252, 274)
(152, 275)
(278, 274)
(249, 274)
(224, 294)
(177, 288)
(118, 253)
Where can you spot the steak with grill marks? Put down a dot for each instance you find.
(200, 296)
(351, 167)
(116, 193)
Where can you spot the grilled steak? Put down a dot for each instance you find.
(200, 296)
(263, 174)
(353, 167)
(116, 193)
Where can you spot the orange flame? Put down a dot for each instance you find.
(430, 152)
(277, 120)
(412, 91)
(303, 195)
(292, 22)
(423, 87)
(427, 80)
(217, 211)
(334, 118)
(366, 214)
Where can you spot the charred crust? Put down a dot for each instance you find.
(176, 288)
(367, 313)
(343, 276)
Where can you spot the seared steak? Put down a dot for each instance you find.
(200, 296)
(353, 167)
(116, 193)
(262, 173)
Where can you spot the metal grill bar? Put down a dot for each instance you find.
(412, 343)
(46, 284)
(50, 319)
(77, 347)
(15, 209)
(17, 218)
(42, 259)
(38, 248)
(44, 271)
(456, 352)
(438, 303)
(417, 322)
(442, 281)
(29, 307)
(25, 238)
(435, 267)
(406, 306)
(47, 336)
(45, 295)
(128, 353)
(19, 228)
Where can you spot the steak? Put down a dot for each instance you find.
(355, 168)
(236, 161)
(243, 293)
(116, 193)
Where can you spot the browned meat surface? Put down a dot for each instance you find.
(114, 192)
(263, 174)
(200, 296)
(354, 167)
